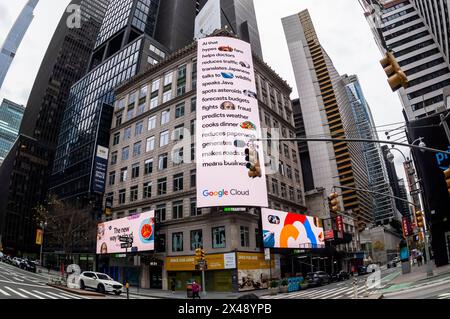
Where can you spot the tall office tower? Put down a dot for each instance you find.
(321, 94)
(364, 127)
(28, 165)
(14, 38)
(417, 32)
(405, 207)
(125, 46)
(394, 182)
(303, 150)
(238, 16)
(10, 118)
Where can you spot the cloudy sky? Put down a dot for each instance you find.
(340, 25)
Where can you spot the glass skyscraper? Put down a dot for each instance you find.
(14, 38)
(125, 46)
(10, 117)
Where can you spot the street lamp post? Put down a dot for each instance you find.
(43, 225)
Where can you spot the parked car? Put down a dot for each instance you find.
(372, 268)
(340, 276)
(392, 264)
(318, 278)
(16, 261)
(28, 265)
(100, 282)
(362, 270)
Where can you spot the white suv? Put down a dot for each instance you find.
(100, 282)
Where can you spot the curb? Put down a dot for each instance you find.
(76, 291)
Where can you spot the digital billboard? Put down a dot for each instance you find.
(227, 124)
(139, 227)
(100, 167)
(289, 230)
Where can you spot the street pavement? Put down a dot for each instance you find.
(434, 288)
(340, 290)
(16, 283)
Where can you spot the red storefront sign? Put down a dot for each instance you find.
(329, 234)
(406, 226)
(339, 224)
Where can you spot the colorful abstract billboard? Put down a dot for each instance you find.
(139, 227)
(289, 230)
(228, 123)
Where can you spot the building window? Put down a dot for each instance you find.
(167, 96)
(192, 152)
(122, 195)
(130, 112)
(294, 157)
(177, 242)
(160, 243)
(286, 150)
(150, 144)
(297, 176)
(114, 158)
(162, 162)
(148, 166)
(155, 85)
(164, 139)
(193, 178)
(137, 149)
(135, 171)
(125, 153)
(291, 193)
(132, 99)
(299, 195)
(127, 134)
(177, 156)
(283, 190)
(139, 128)
(177, 210)
(123, 174)
(179, 110)
(133, 194)
(193, 123)
(141, 108)
(151, 123)
(288, 172)
(162, 186)
(112, 178)
(281, 168)
(168, 78)
(147, 190)
(118, 119)
(194, 74)
(178, 132)
(257, 238)
(143, 92)
(160, 212)
(218, 237)
(196, 239)
(274, 186)
(178, 182)
(165, 117)
(116, 139)
(154, 102)
(194, 210)
(245, 236)
(193, 104)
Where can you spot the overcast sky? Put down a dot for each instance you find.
(340, 25)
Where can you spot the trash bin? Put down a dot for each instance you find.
(189, 290)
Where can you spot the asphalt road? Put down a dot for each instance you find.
(16, 283)
(338, 290)
(435, 288)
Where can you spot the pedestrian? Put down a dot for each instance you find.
(173, 285)
(195, 290)
(419, 260)
(48, 267)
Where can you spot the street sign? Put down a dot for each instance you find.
(126, 245)
(126, 239)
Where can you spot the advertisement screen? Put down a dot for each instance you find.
(227, 124)
(100, 167)
(289, 230)
(139, 227)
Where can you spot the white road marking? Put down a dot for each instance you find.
(43, 294)
(56, 295)
(30, 293)
(17, 293)
(5, 293)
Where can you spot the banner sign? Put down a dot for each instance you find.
(227, 119)
(406, 226)
(100, 167)
(139, 227)
(39, 236)
(289, 230)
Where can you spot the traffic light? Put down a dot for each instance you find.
(447, 179)
(419, 219)
(333, 202)
(397, 78)
(202, 254)
(253, 163)
(198, 255)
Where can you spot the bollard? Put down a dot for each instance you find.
(366, 290)
(127, 286)
(355, 288)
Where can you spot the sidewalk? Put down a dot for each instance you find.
(166, 294)
(417, 276)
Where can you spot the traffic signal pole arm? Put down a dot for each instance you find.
(351, 140)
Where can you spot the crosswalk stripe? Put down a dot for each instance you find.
(57, 295)
(17, 293)
(17, 279)
(70, 296)
(30, 293)
(328, 295)
(45, 295)
(5, 293)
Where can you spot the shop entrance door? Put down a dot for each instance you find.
(156, 277)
